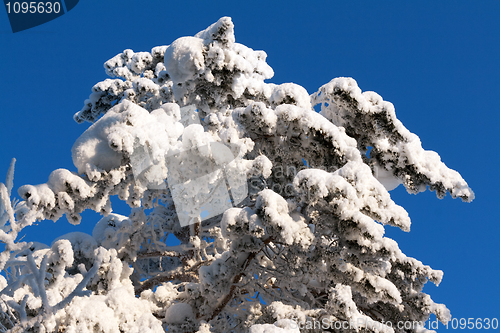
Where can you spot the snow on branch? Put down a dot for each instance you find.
(396, 151)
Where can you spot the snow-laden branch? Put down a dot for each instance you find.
(279, 213)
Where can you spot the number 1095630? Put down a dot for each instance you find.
(33, 7)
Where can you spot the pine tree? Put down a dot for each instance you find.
(251, 212)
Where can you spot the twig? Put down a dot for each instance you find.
(9, 313)
(152, 282)
(223, 302)
(22, 313)
(39, 278)
(78, 288)
(158, 254)
(199, 264)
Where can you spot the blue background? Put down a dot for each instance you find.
(437, 62)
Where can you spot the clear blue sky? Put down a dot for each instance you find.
(438, 62)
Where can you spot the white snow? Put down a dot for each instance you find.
(126, 125)
(197, 116)
(178, 313)
(281, 326)
(184, 59)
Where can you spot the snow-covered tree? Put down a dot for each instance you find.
(251, 212)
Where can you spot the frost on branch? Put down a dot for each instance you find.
(250, 212)
(395, 150)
